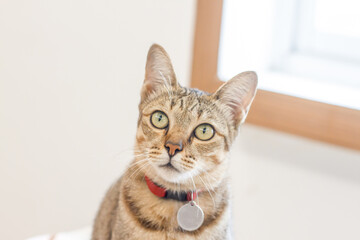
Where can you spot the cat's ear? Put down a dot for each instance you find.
(237, 95)
(159, 72)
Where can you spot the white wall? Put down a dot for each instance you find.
(70, 77)
(287, 187)
(70, 74)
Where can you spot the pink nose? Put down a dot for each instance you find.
(173, 148)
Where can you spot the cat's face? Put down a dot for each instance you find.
(183, 133)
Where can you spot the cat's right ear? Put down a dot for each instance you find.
(159, 72)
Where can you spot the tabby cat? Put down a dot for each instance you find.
(180, 157)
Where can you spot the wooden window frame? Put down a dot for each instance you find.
(303, 117)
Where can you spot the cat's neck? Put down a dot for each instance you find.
(206, 181)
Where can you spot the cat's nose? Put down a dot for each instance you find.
(173, 148)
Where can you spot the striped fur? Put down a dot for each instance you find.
(129, 210)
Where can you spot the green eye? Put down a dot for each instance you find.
(159, 120)
(204, 132)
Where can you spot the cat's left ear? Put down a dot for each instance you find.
(159, 72)
(237, 95)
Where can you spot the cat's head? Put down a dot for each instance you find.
(183, 132)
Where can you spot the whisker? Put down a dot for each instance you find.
(123, 151)
(209, 184)
(142, 167)
(209, 176)
(136, 171)
(192, 179)
(140, 155)
(139, 169)
(137, 162)
(208, 191)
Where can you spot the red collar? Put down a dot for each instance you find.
(168, 194)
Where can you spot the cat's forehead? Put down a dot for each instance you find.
(187, 107)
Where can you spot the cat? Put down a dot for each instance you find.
(182, 142)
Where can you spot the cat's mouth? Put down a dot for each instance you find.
(169, 166)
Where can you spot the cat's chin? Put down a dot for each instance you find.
(172, 175)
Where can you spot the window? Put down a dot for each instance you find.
(330, 29)
(299, 92)
(304, 48)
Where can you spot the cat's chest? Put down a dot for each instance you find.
(140, 214)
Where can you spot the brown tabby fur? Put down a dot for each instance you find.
(129, 210)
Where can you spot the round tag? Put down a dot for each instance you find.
(190, 216)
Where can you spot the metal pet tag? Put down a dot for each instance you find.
(190, 216)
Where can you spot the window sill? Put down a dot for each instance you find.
(306, 88)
